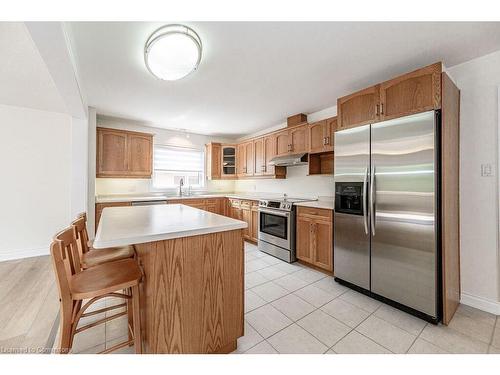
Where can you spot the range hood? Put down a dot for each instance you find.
(289, 160)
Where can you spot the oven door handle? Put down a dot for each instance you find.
(276, 213)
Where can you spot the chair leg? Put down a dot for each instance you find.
(137, 320)
(65, 339)
(130, 314)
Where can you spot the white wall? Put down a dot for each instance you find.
(105, 186)
(297, 182)
(79, 166)
(36, 189)
(478, 81)
(91, 168)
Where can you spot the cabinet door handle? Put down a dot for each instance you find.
(377, 108)
(381, 108)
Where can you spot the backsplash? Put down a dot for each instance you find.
(297, 183)
(109, 186)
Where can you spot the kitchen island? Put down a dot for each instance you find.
(193, 263)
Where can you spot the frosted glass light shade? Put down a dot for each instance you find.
(172, 52)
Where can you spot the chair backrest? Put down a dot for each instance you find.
(82, 236)
(65, 259)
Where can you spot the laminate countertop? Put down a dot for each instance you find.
(325, 204)
(120, 226)
(162, 197)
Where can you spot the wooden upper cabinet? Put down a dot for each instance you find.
(358, 109)
(332, 128)
(259, 162)
(414, 92)
(299, 139)
(213, 160)
(249, 158)
(282, 143)
(292, 140)
(240, 160)
(140, 154)
(321, 135)
(410, 93)
(269, 147)
(317, 136)
(228, 161)
(111, 153)
(123, 153)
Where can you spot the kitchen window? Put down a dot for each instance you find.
(171, 164)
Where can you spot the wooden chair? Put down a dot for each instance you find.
(90, 257)
(76, 285)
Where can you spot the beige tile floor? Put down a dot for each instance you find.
(290, 308)
(293, 309)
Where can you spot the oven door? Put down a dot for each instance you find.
(275, 227)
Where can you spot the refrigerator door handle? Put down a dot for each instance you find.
(372, 200)
(365, 200)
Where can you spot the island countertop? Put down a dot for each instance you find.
(120, 226)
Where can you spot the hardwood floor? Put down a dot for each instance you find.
(30, 305)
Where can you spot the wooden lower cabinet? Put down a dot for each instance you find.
(214, 205)
(246, 211)
(322, 239)
(192, 293)
(315, 237)
(254, 234)
(303, 241)
(246, 216)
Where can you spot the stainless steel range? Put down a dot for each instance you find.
(277, 227)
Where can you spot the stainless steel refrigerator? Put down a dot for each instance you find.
(386, 237)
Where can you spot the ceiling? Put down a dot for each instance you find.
(24, 78)
(253, 75)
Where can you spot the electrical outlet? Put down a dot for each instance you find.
(486, 170)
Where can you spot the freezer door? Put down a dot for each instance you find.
(403, 263)
(351, 234)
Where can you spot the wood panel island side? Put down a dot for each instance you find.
(193, 262)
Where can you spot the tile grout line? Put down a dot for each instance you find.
(295, 322)
(351, 329)
(362, 334)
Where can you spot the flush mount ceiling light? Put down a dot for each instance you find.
(172, 52)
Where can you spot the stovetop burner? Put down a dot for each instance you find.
(282, 204)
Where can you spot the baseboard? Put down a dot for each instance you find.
(480, 303)
(23, 253)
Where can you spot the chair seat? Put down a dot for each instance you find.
(105, 278)
(94, 257)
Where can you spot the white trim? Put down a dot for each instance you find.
(498, 194)
(481, 303)
(23, 253)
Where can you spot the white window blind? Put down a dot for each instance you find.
(171, 164)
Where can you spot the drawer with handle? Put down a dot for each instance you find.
(315, 212)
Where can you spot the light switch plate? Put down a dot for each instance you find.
(486, 170)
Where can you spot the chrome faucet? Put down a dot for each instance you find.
(181, 184)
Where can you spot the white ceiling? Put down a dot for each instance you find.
(24, 78)
(254, 75)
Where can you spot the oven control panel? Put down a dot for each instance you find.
(280, 205)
